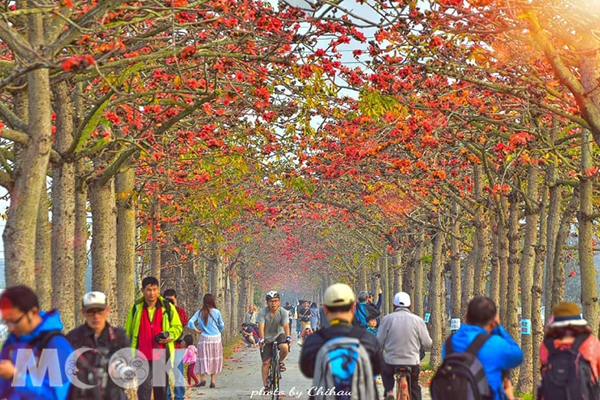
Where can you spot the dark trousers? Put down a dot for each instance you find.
(389, 381)
(145, 390)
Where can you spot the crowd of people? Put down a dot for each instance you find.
(477, 358)
(99, 361)
(345, 349)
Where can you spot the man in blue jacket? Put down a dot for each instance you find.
(499, 353)
(31, 332)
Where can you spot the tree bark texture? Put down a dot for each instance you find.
(589, 286)
(104, 251)
(481, 235)
(126, 240)
(436, 292)
(20, 231)
(455, 265)
(43, 255)
(526, 272)
(418, 295)
(503, 254)
(512, 313)
(63, 211)
(537, 323)
(81, 237)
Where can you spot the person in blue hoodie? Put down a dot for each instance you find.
(499, 353)
(33, 330)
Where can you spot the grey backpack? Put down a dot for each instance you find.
(343, 371)
(461, 375)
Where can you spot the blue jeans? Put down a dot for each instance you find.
(179, 380)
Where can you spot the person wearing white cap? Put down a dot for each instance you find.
(93, 366)
(339, 305)
(402, 335)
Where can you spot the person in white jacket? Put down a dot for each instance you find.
(402, 335)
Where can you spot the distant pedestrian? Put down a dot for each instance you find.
(210, 347)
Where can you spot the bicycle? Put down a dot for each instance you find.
(274, 372)
(402, 376)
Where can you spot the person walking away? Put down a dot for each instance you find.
(210, 348)
(153, 324)
(402, 335)
(273, 326)
(495, 350)
(105, 340)
(189, 359)
(179, 391)
(570, 357)
(314, 316)
(297, 318)
(34, 331)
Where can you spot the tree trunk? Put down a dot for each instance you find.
(481, 235)
(126, 229)
(495, 271)
(558, 285)
(526, 272)
(436, 292)
(468, 278)
(104, 251)
(63, 212)
(537, 323)
(30, 178)
(418, 295)
(589, 286)
(512, 313)
(553, 223)
(81, 237)
(455, 260)
(155, 248)
(43, 255)
(503, 255)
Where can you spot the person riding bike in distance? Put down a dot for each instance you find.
(273, 325)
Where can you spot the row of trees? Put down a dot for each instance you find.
(231, 147)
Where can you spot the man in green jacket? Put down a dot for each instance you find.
(153, 325)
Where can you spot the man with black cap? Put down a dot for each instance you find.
(339, 305)
(104, 340)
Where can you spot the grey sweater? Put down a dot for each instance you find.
(401, 335)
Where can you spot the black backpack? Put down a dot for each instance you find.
(461, 375)
(567, 375)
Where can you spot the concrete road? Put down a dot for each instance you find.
(241, 379)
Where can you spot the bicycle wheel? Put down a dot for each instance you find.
(276, 372)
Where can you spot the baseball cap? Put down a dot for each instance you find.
(94, 300)
(402, 299)
(338, 294)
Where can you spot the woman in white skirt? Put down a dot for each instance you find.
(210, 349)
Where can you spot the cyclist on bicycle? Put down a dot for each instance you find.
(402, 334)
(273, 326)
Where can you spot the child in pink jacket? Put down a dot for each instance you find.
(189, 359)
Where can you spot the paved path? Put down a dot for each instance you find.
(241, 377)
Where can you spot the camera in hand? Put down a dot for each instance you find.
(162, 336)
(124, 371)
